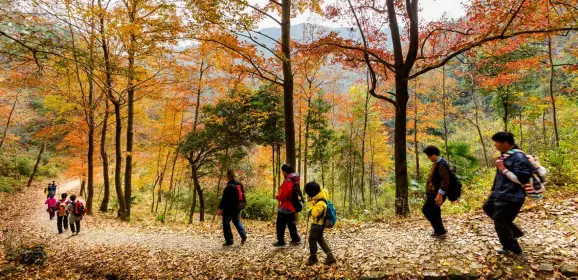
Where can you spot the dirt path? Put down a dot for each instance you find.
(371, 250)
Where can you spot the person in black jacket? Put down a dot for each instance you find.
(233, 195)
(507, 197)
(437, 184)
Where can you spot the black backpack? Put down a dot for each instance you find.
(297, 196)
(454, 191)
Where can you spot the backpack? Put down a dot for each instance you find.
(537, 184)
(296, 196)
(242, 200)
(454, 191)
(330, 214)
(61, 208)
(79, 209)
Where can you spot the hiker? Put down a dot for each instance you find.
(286, 214)
(52, 189)
(507, 197)
(437, 185)
(75, 212)
(51, 202)
(317, 208)
(61, 215)
(232, 202)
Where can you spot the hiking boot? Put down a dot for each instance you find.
(518, 233)
(227, 244)
(243, 240)
(293, 243)
(279, 244)
(507, 252)
(312, 260)
(329, 260)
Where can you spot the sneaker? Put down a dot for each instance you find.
(293, 243)
(279, 244)
(311, 261)
(503, 252)
(243, 240)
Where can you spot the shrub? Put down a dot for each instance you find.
(33, 254)
(260, 205)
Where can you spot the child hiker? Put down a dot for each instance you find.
(317, 207)
(75, 211)
(51, 202)
(61, 215)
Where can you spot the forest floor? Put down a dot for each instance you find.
(396, 249)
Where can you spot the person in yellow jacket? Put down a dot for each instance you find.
(317, 209)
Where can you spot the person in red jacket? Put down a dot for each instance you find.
(286, 216)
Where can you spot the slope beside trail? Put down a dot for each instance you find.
(107, 248)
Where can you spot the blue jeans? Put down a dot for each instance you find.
(227, 227)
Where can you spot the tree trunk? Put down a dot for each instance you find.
(415, 141)
(130, 114)
(83, 187)
(552, 96)
(38, 159)
(104, 157)
(400, 147)
(193, 206)
(200, 193)
(161, 180)
(444, 105)
(5, 132)
(306, 150)
(287, 82)
(366, 112)
(477, 119)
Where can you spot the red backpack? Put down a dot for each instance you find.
(242, 201)
(79, 209)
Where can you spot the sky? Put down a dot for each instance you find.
(431, 10)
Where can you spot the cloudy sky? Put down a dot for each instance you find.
(431, 10)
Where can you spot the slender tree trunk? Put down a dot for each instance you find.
(118, 162)
(445, 112)
(161, 180)
(104, 157)
(365, 115)
(219, 184)
(415, 140)
(351, 169)
(200, 193)
(306, 150)
(544, 127)
(193, 206)
(477, 120)
(5, 132)
(174, 163)
(371, 172)
(118, 120)
(552, 96)
(37, 164)
(400, 147)
(130, 106)
(287, 82)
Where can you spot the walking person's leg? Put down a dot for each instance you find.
(227, 230)
(314, 236)
(72, 227)
(239, 226)
(433, 214)
(59, 223)
(504, 215)
(77, 227)
(292, 225)
(280, 228)
(65, 222)
(325, 247)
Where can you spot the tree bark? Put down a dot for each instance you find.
(130, 106)
(5, 132)
(199, 191)
(365, 115)
(193, 206)
(287, 82)
(400, 147)
(38, 159)
(552, 96)
(104, 157)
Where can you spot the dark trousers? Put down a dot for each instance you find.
(60, 222)
(72, 227)
(289, 221)
(433, 213)
(316, 236)
(236, 219)
(503, 213)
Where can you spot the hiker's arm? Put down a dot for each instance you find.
(522, 168)
(444, 173)
(318, 209)
(285, 191)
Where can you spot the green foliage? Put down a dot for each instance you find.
(29, 255)
(260, 205)
(461, 156)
